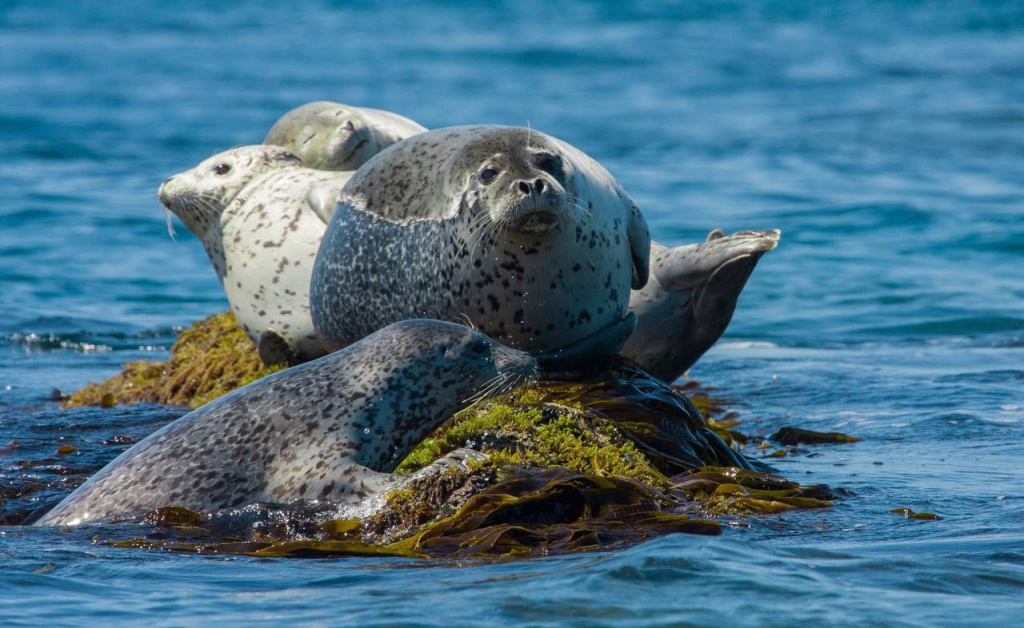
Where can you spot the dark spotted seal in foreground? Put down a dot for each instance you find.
(513, 230)
(248, 206)
(331, 429)
(690, 299)
(333, 136)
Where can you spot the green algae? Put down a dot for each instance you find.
(210, 359)
(538, 436)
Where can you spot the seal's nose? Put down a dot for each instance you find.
(161, 191)
(526, 188)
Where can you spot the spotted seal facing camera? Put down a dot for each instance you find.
(519, 233)
(690, 298)
(332, 136)
(249, 208)
(675, 326)
(332, 429)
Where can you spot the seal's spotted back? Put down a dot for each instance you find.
(331, 429)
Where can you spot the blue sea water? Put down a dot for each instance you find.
(885, 139)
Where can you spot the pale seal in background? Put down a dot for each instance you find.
(332, 136)
(249, 208)
(690, 299)
(519, 233)
(332, 429)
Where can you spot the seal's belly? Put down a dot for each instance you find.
(542, 297)
(269, 264)
(534, 296)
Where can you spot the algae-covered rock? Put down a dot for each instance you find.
(571, 465)
(210, 359)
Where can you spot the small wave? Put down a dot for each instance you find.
(952, 327)
(54, 341)
(748, 344)
(90, 342)
(985, 377)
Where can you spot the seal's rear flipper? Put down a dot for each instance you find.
(688, 267)
(691, 298)
(274, 349)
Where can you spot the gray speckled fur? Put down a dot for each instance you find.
(260, 234)
(418, 234)
(333, 136)
(670, 336)
(690, 299)
(332, 429)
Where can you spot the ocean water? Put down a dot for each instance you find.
(885, 139)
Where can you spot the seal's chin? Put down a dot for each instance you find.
(535, 221)
(535, 214)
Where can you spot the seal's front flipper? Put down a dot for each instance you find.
(639, 243)
(323, 200)
(458, 459)
(274, 349)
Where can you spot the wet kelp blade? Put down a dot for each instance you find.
(720, 491)
(660, 420)
(553, 511)
(270, 549)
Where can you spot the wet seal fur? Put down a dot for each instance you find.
(333, 136)
(690, 299)
(332, 429)
(249, 208)
(519, 233)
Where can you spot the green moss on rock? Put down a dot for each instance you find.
(210, 359)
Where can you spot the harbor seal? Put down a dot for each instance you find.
(332, 136)
(690, 299)
(661, 343)
(249, 208)
(332, 429)
(519, 233)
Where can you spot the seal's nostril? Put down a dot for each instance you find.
(524, 187)
(538, 185)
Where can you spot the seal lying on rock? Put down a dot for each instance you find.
(515, 231)
(690, 298)
(670, 336)
(333, 136)
(248, 207)
(332, 429)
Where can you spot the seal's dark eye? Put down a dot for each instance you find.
(487, 175)
(547, 163)
(221, 169)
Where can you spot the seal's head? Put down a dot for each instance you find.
(199, 196)
(332, 136)
(450, 362)
(518, 179)
(348, 142)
